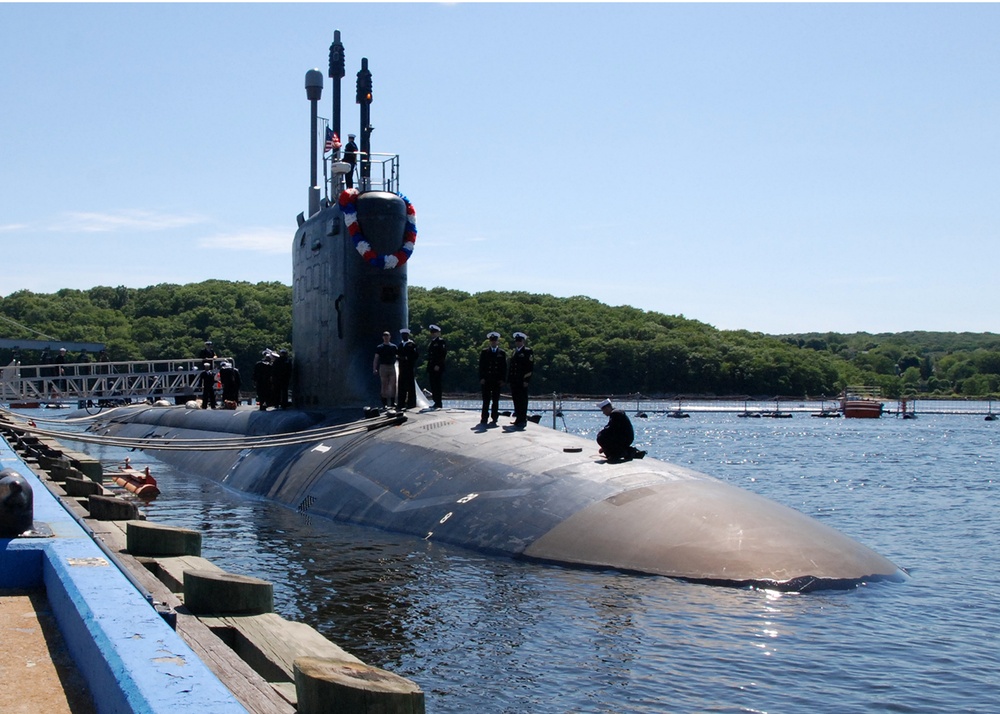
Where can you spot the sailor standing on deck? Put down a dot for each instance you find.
(437, 351)
(408, 355)
(282, 377)
(229, 376)
(206, 379)
(384, 365)
(522, 362)
(262, 379)
(492, 374)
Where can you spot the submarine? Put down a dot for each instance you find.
(436, 474)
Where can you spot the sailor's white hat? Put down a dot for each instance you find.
(604, 403)
(434, 328)
(404, 331)
(493, 335)
(520, 335)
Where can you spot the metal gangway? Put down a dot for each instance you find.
(89, 384)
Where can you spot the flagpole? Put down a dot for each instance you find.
(326, 174)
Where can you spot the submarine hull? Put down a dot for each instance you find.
(533, 493)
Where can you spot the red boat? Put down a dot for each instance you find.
(862, 402)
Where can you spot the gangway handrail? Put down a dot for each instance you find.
(136, 380)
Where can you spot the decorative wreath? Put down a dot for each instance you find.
(348, 206)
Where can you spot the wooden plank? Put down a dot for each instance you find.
(171, 569)
(111, 532)
(270, 644)
(252, 690)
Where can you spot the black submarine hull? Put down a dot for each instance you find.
(535, 493)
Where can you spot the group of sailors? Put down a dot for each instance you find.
(400, 390)
(272, 376)
(398, 387)
(395, 367)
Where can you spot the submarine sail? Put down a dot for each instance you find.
(534, 493)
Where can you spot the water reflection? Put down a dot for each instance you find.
(488, 634)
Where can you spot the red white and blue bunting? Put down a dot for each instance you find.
(348, 206)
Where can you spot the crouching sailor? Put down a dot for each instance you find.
(615, 439)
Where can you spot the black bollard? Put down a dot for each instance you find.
(17, 510)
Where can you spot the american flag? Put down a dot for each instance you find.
(332, 140)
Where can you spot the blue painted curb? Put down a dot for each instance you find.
(132, 660)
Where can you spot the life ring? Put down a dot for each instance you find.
(348, 205)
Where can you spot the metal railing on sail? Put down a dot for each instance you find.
(383, 170)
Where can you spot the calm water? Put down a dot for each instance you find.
(481, 634)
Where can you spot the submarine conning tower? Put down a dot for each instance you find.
(348, 258)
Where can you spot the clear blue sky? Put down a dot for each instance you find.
(777, 168)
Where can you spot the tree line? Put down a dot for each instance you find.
(581, 345)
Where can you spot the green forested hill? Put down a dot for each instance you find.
(159, 321)
(582, 346)
(965, 363)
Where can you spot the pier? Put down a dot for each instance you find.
(134, 619)
(554, 406)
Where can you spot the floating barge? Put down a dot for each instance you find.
(862, 402)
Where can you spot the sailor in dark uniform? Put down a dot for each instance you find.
(408, 355)
(59, 361)
(350, 157)
(281, 377)
(206, 380)
(263, 379)
(437, 351)
(492, 374)
(615, 439)
(229, 377)
(208, 353)
(522, 362)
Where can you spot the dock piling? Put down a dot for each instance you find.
(326, 686)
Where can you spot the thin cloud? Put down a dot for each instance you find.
(118, 221)
(11, 227)
(258, 240)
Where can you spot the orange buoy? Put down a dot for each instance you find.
(141, 483)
